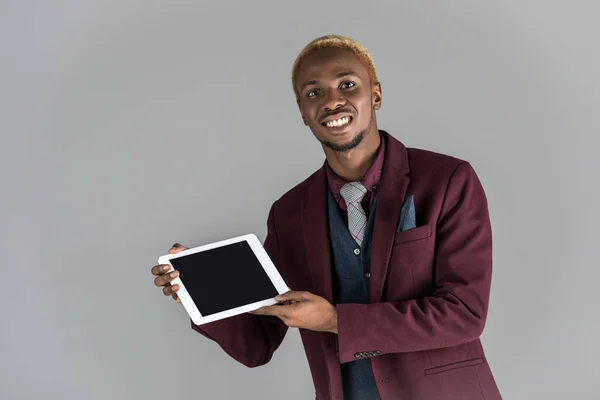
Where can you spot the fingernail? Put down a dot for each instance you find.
(166, 268)
(173, 274)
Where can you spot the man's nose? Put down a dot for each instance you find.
(333, 101)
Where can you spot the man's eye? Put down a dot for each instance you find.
(348, 84)
(312, 93)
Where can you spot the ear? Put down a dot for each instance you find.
(376, 95)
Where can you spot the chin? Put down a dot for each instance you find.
(342, 143)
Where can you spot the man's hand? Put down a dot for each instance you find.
(303, 310)
(163, 279)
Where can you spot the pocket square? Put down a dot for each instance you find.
(408, 218)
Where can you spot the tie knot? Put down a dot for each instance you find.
(353, 192)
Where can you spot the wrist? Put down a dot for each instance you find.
(334, 321)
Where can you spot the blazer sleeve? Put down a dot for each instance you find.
(250, 339)
(456, 311)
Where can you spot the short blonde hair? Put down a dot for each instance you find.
(338, 42)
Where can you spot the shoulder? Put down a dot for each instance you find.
(434, 166)
(423, 161)
(420, 164)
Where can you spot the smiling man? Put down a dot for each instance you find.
(388, 250)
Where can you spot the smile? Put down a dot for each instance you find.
(338, 122)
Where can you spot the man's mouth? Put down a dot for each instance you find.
(337, 122)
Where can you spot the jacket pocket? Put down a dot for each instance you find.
(448, 367)
(411, 235)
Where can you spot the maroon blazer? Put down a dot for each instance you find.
(429, 286)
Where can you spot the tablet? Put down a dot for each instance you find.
(225, 278)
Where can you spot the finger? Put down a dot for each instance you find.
(170, 290)
(164, 279)
(176, 248)
(176, 297)
(276, 311)
(294, 296)
(160, 269)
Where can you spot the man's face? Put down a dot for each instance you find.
(337, 100)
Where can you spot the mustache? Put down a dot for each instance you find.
(338, 111)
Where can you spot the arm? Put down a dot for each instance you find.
(250, 339)
(456, 312)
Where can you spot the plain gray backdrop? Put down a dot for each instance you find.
(129, 125)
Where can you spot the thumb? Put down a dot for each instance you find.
(293, 296)
(176, 248)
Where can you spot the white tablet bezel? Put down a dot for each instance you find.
(261, 255)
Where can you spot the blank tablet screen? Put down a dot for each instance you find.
(224, 278)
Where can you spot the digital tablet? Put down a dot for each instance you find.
(225, 278)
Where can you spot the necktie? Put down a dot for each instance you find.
(353, 193)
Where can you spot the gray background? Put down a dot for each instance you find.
(129, 125)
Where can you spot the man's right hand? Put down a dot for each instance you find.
(163, 279)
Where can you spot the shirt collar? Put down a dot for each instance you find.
(370, 179)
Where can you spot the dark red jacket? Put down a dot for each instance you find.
(429, 286)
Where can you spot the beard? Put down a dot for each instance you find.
(356, 140)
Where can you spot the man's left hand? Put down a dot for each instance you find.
(303, 310)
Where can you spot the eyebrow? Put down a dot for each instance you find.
(338, 76)
(348, 73)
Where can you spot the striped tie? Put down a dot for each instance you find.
(353, 193)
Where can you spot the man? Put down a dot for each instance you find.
(388, 251)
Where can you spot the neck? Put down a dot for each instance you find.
(351, 165)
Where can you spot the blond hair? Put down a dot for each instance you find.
(338, 42)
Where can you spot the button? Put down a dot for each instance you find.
(357, 251)
(367, 275)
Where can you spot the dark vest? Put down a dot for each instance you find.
(351, 285)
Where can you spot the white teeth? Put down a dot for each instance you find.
(338, 122)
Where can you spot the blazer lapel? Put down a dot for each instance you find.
(316, 236)
(392, 192)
